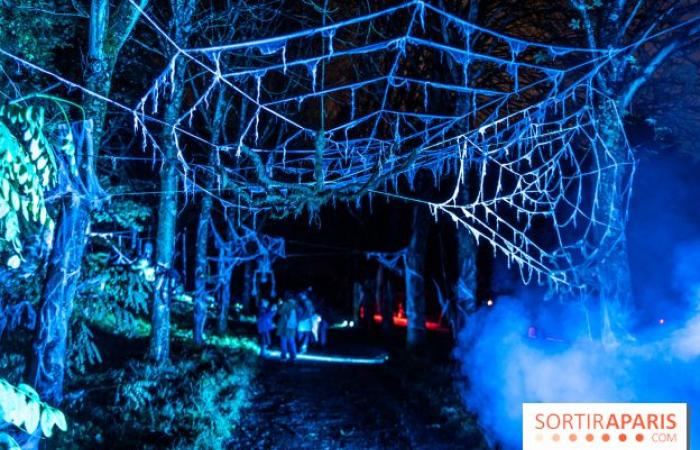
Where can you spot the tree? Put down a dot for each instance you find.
(414, 274)
(159, 346)
(613, 25)
(203, 224)
(107, 34)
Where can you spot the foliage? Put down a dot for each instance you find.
(121, 212)
(114, 290)
(119, 290)
(21, 407)
(37, 30)
(193, 402)
(28, 168)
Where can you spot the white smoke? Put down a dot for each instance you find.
(505, 367)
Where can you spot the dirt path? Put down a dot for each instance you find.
(327, 406)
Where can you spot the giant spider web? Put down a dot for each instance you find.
(357, 107)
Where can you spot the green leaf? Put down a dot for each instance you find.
(14, 200)
(28, 390)
(32, 416)
(5, 188)
(14, 262)
(47, 422)
(4, 208)
(60, 420)
(34, 149)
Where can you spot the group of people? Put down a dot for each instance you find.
(297, 324)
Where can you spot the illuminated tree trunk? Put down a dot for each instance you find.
(415, 283)
(248, 275)
(228, 268)
(388, 305)
(106, 37)
(201, 271)
(380, 296)
(465, 287)
(159, 346)
(225, 302)
(612, 274)
(48, 363)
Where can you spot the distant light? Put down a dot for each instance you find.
(352, 323)
(489, 302)
(662, 321)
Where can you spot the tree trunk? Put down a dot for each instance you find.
(47, 368)
(388, 305)
(225, 302)
(415, 283)
(62, 276)
(228, 268)
(167, 219)
(201, 270)
(612, 275)
(465, 287)
(159, 346)
(248, 281)
(379, 295)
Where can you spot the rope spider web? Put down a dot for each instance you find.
(349, 109)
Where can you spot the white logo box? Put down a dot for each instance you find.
(600, 426)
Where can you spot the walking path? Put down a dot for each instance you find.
(307, 405)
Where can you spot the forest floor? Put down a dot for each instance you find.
(224, 396)
(407, 403)
(193, 401)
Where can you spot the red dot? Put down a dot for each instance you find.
(623, 437)
(589, 437)
(639, 437)
(572, 437)
(606, 437)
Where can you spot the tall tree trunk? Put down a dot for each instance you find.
(201, 270)
(159, 346)
(63, 274)
(165, 249)
(48, 363)
(379, 295)
(388, 305)
(612, 274)
(248, 275)
(225, 301)
(465, 286)
(415, 282)
(70, 236)
(229, 268)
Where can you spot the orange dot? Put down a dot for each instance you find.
(606, 437)
(623, 437)
(589, 437)
(640, 437)
(572, 437)
(555, 437)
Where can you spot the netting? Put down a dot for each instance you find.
(352, 108)
(356, 108)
